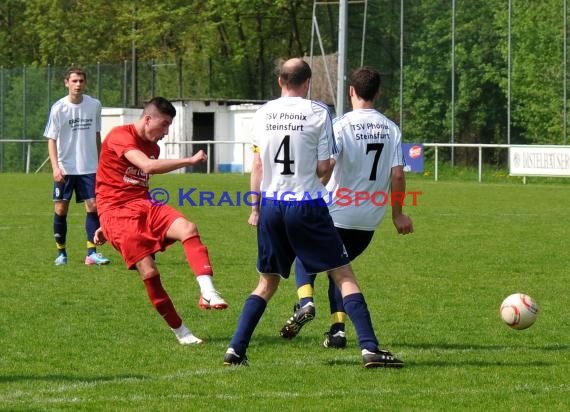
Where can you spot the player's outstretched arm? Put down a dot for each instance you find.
(160, 166)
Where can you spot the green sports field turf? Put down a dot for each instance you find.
(86, 338)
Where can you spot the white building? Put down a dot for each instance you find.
(197, 122)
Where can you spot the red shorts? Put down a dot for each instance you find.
(138, 229)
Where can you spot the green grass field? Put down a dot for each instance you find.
(86, 338)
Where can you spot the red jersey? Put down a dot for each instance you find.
(118, 180)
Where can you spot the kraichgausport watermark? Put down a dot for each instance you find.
(342, 197)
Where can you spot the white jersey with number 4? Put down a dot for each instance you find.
(75, 127)
(292, 134)
(369, 145)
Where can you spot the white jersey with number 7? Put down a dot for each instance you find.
(369, 145)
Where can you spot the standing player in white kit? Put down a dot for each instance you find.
(369, 160)
(292, 140)
(74, 142)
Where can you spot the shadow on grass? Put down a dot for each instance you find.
(449, 363)
(451, 360)
(261, 340)
(300, 340)
(465, 346)
(68, 378)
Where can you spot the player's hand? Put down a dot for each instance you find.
(99, 237)
(58, 176)
(199, 157)
(403, 224)
(253, 218)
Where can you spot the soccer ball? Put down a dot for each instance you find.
(519, 311)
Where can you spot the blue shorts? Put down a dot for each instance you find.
(303, 230)
(82, 185)
(355, 241)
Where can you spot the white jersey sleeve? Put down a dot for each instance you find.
(369, 146)
(75, 128)
(292, 134)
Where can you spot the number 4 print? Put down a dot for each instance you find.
(286, 161)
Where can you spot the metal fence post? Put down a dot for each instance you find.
(28, 157)
(152, 78)
(208, 162)
(243, 158)
(435, 169)
(99, 80)
(48, 85)
(125, 78)
(180, 79)
(1, 117)
(24, 114)
(480, 160)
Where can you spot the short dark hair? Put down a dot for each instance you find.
(162, 105)
(366, 82)
(75, 69)
(294, 72)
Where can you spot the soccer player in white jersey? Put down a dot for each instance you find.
(74, 141)
(369, 161)
(292, 140)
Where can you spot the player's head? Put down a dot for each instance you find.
(295, 74)
(77, 71)
(156, 118)
(160, 105)
(366, 83)
(75, 80)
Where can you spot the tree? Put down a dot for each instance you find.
(13, 33)
(426, 72)
(229, 49)
(537, 74)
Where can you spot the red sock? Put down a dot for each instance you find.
(197, 256)
(161, 302)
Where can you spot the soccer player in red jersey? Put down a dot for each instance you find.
(138, 227)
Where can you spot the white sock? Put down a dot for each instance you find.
(181, 331)
(206, 284)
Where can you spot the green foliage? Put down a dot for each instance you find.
(426, 74)
(86, 338)
(478, 66)
(538, 71)
(215, 49)
(481, 87)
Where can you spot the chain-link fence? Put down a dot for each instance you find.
(481, 72)
(27, 93)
